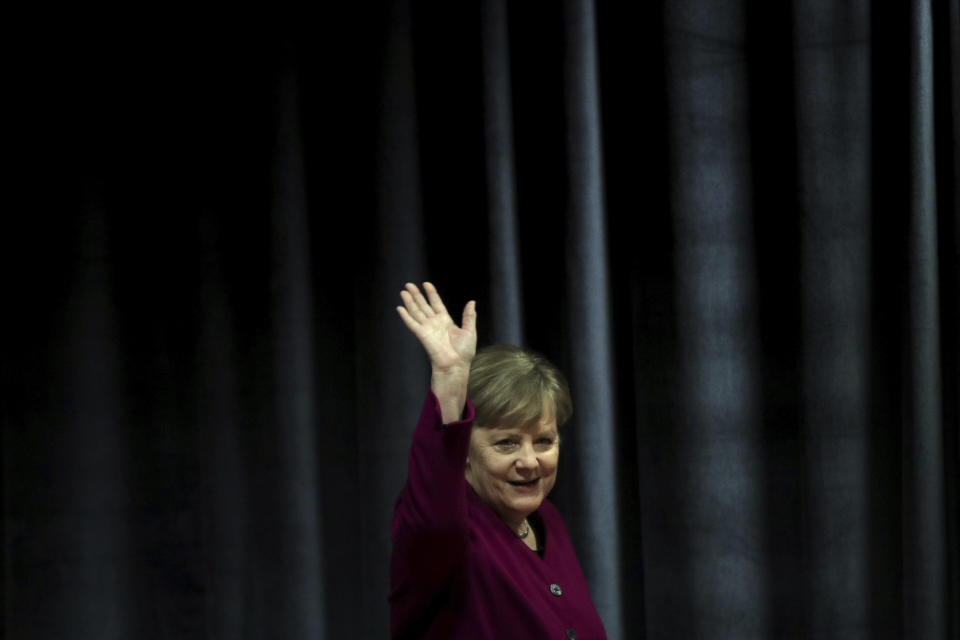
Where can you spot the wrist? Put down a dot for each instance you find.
(451, 405)
(455, 372)
(450, 387)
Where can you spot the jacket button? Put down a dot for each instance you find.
(556, 590)
(571, 634)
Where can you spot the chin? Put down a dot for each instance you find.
(527, 505)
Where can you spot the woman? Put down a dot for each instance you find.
(478, 551)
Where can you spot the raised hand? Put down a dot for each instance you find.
(449, 347)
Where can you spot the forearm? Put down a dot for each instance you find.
(433, 498)
(450, 387)
(430, 529)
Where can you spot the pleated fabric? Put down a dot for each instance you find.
(733, 225)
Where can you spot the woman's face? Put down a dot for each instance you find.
(513, 469)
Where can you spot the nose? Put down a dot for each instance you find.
(527, 458)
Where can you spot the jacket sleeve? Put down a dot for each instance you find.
(430, 517)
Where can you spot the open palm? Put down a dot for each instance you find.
(448, 346)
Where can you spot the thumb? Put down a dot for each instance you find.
(470, 317)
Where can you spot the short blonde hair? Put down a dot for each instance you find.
(509, 385)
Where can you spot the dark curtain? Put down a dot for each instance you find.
(733, 224)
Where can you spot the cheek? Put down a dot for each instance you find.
(500, 469)
(550, 461)
(491, 467)
(551, 474)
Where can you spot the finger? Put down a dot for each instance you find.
(434, 297)
(470, 317)
(412, 324)
(412, 308)
(418, 298)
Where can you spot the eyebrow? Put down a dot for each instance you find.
(499, 432)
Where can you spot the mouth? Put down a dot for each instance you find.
(522, 484)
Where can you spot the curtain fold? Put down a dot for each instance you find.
(833, 144)
(733, 225)
(924, 518)
(294, 412)
(716, 529)
(225, 495)
(505, 277)
(595, 521)
(392, 376)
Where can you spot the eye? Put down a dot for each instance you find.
(543, 444)
(506, 443)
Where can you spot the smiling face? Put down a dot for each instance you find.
(513, 469)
